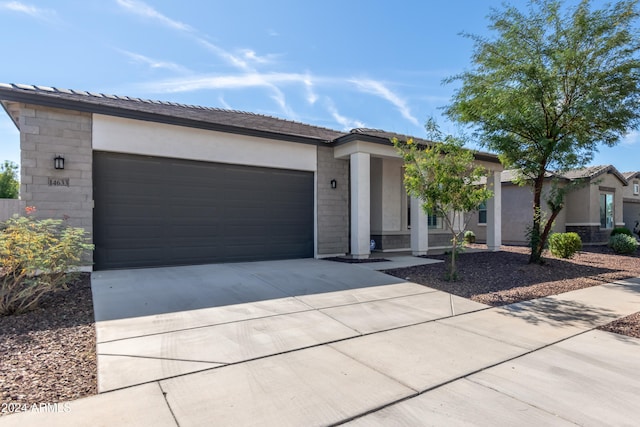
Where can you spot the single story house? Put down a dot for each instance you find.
(631, 201)
(159, 183)
(591, 210)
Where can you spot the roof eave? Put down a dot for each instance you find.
(89, 107)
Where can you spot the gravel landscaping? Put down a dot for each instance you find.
(499, 278)
(48, 355)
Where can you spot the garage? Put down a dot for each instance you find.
(158, 211)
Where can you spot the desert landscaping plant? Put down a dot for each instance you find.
(623, 244)
(552, 82)
(445, 178)
(37, 256)
(564, 245)
(469, 236)
(621, 230)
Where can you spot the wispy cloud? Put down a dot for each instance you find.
(233, 81)
(632, 138)
(144, 10)
(377, 88)
(228, 57)
(252, 56)
(242, 62)
(154, 63)
(33, 11)
(312, 97)
(224, 103)
(345, 122)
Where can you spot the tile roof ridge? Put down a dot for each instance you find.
(89, 94)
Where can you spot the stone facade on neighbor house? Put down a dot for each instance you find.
(349, 183)
(592, 210)
(631, 202)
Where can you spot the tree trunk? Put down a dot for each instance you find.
(535, 237)
(453, 275)
(547, 230)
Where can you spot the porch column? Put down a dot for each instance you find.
(419, 228)
(494, 212)
(360, 205)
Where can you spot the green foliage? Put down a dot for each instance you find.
(621, 230)
(445, 178)
(9, 185)
(623, 244)
(469, 236)
(564, 245)
(36, 257)
(550, 85)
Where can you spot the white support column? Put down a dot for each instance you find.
(419, 228)
(494, 212)
(360, 205)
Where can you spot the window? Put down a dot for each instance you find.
(636, 188)
(482, 213)
(606, 210)
(434, 221)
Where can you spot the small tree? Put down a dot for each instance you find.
(550, 86)
(9, 185)
(444, 177)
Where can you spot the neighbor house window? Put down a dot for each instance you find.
(482, 213)
(606, 210)
(434, 221)
(636, 188)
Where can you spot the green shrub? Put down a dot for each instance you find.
(469, 236)
(623, 244)
(621, 230)
(37, 256)
(564, 245)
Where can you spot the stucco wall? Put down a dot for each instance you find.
(631, 213)
(631, 204)
(68, 193)
(578, 206)
(157, 139)
(392, 193)
(517, 215)
(583, 204)
(333, 204)
(375, 179)
(10, 207)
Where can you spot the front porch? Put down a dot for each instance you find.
(381, 211)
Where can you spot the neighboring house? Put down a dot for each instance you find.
(591, 210)
(159, 183)
(631, 201)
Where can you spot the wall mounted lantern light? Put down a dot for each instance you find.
(58, 162)
(334, 184)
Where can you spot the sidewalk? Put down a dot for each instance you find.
(370, 356)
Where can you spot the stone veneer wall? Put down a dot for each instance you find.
(590, 234)
(333, 204)
(68, 193)
(392, 241)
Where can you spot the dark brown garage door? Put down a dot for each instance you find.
(154, 211)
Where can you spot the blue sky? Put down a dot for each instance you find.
(339, 64)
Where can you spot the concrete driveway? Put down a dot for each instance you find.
(326, 343)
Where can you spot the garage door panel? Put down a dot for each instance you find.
(153, 211)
